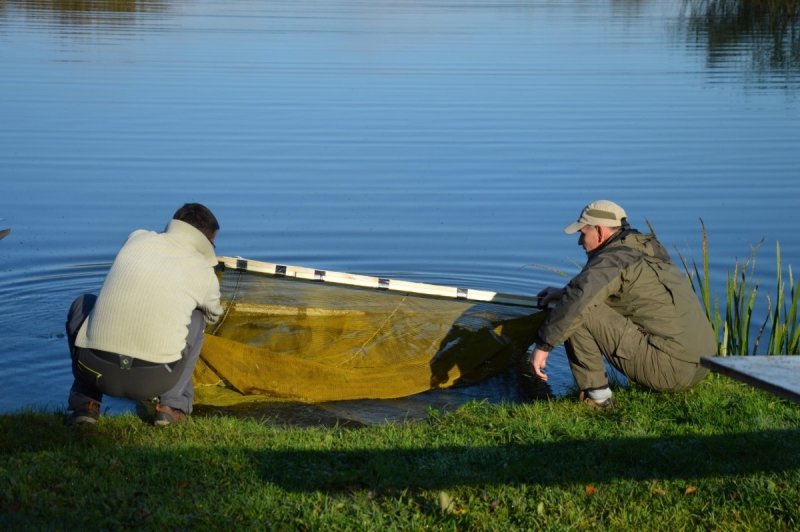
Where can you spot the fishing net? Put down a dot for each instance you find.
(310, 335)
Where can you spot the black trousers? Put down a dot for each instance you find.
(99, 373)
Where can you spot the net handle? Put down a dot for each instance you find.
(378, 283)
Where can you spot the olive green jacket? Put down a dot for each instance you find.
(633, 274)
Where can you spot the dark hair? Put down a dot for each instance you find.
(198, 216)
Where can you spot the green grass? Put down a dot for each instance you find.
(721, 457)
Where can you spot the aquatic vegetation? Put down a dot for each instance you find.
(734, 330)
(785, 332)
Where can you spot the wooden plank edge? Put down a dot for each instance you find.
(755, 382)
(379, 283)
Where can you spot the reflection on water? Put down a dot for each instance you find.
(84, 11)
(763, 35)
(82, 17)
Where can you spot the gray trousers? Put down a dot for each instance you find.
(99, 373)
(608, 333)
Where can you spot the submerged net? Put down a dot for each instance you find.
(305, 340)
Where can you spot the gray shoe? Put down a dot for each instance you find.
(85, 414)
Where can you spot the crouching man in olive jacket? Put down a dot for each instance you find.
(629, 303)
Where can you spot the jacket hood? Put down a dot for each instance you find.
(643, 243)
(192, 237)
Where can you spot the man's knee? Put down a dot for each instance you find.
(82, 306)
(78, 312)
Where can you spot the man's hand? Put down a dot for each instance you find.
(538, 362)
(549, 294)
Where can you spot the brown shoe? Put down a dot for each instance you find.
(607, 405)
(166, 415)
(85, 414)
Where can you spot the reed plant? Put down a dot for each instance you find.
(785, 332)
(735, 328)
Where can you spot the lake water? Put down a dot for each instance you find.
(439, 141)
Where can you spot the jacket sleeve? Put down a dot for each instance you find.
(599, 280)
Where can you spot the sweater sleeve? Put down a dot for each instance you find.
(210, 306)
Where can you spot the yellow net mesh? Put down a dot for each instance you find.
(316, 341)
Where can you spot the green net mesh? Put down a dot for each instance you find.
(314, 341)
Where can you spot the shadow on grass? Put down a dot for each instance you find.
(566, 462)
(560, 462)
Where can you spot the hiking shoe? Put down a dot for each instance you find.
(166, 415)
(607, 405)
(85, 414)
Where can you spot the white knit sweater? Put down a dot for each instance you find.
(156, 281)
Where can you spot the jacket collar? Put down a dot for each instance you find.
(647, 244)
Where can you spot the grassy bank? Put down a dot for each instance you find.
(723, 456)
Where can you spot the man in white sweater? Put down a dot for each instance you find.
(140, 338)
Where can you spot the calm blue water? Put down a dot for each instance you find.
(439, 141)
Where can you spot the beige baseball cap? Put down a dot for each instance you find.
(601, 212)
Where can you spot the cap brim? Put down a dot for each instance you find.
(574, 227)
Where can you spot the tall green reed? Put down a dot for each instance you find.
(741, 290)
(785, 332)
